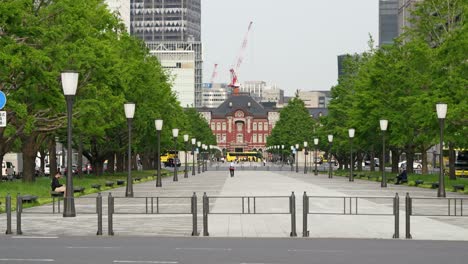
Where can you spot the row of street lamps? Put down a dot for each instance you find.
(70, 84)
(441, 114)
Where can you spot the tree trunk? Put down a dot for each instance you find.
(120, 162)
(409, 161)
(29, 149)
(80, 157)
(372, 160)
(395, 160)
(111, 163)
(424, 161)
(52, 158)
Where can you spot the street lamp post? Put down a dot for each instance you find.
(383, 127)
(330, 141)
(282, 153)
(305, 157)
(351, 132)
(198, 156)
(69, 85)
(441, 113)
(159, 124)
(203, 158)
(292, 161)
(186, 149)
(297, 158)
(129, 113)
(316, 141)
(175, 133)
(194, 141)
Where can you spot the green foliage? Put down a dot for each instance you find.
(293, 127)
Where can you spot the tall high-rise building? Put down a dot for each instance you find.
(404, 14)
(388, 21)
(170, 28)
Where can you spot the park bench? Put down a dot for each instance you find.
(96, 186)
(109, 183)
(78, 189)
(417, 182)
(120, 182)
(390, 179)
(434, 185)
(27, 198)
(56, 194)
(457, 187)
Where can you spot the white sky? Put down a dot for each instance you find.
(293, 43)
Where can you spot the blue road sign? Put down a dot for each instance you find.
(2, 100)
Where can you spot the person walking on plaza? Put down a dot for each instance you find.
(232, 167)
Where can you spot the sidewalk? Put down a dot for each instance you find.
(253, 183)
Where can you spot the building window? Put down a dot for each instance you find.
(254, 138)
(240, 126)
(218, 138)
(266, 137)
(224, 126)
(224, 137)
(254, 126)
(260, 126)
(240, 138)
(265, 127)
(213, 126)
(260, 138)
(218, 126)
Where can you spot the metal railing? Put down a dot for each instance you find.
(152, 205)
(45, 210)
(347, 208)
(248, 205)
(437, 207)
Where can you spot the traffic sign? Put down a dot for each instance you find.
(3, 119)
(2, 100)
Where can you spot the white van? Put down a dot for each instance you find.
(8, 170)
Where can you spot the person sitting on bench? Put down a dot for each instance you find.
(402, 177)
(56, 186)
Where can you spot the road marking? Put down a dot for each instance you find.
(95, 247)
(34, 237)
(213, 249)
(315, 250)
(143, 261)
(35, 260)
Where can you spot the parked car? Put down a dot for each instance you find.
(416, 164)
(88, 169)
(74, 170)
(170, 162)
(368, 162)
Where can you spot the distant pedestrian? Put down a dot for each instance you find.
(232, 167)
(402, 177)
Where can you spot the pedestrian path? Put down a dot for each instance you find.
(226, 218)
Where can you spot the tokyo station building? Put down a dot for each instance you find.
(240, 123)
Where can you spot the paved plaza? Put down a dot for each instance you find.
(271, 190)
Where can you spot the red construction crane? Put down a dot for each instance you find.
(234, 71)
(214, 74)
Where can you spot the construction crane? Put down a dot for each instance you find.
(213, 76)
(234, 71)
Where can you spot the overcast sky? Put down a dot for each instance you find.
(293, 43)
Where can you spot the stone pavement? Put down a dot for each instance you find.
(131, 219)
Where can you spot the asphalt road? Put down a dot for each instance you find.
(72, 250)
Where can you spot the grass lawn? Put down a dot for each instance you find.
(41, 187)
(427, 178)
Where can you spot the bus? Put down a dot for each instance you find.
(243, 156)
(168, 155)
(461, 163)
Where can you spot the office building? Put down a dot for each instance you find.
(172, 31)
(405, 7)
(215, 95)
(388, 21)
(315, 99)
